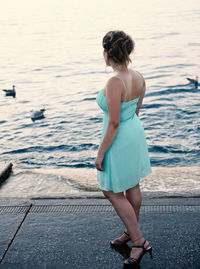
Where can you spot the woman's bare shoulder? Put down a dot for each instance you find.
(113, 84)
(113, 81)
(136, 73)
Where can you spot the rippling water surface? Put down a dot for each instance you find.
(51, 51)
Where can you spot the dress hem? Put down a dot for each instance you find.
(144, 175)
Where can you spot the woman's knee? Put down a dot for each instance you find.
(107, 194)
(111, 195)
(134, 195)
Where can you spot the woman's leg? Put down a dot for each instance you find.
(127, 214)
(125, 211)
(134, 197)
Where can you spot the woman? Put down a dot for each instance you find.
(122, 157)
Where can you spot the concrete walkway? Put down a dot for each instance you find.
(75, 233)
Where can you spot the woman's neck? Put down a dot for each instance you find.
(117, 68)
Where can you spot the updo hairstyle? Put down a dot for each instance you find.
(118, 46)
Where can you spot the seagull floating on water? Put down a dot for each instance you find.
(194, 81)
(37, 114)
(10, 92)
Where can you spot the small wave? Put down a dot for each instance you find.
(170, 90)
(44, 125)
(172, 33)
(95, 119)
(156, 76)
(61, 76)
(174, 65)
(170, 149)
(37, 164)
(156, 105)
(77, 165)
(84, 146)
(23, 101)
(65, 121)
(175, 161)
(37, 69)
(39, 149)
(26, 125)
(89, 99)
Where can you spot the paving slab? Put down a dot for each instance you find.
(75, 233)
(10, 221)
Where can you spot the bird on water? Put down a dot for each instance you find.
(194, 81)
(37, 114)
(10, 92)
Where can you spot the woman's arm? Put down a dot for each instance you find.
(139, 104)
(113, 98)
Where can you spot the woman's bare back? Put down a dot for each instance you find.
(135, 85)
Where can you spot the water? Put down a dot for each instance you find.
(51, 51)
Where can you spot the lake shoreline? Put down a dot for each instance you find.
(99, 195)
(64, 183)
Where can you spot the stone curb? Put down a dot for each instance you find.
(5, 171)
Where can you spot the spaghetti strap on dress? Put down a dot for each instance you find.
(127, 159)
(142, 82)
(142, 85)
(124, 87)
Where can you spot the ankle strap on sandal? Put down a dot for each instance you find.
(142, 246)
(126, 233)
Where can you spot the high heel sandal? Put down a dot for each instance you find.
(134, 261)
(118, 243)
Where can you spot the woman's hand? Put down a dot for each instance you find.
(99, 161)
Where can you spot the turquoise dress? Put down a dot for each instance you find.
(127, 159)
